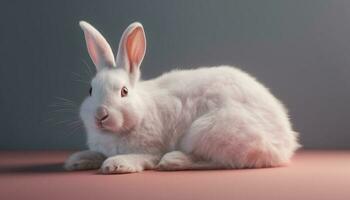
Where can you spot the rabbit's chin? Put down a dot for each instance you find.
(108, 128)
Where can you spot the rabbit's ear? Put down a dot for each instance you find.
(132, 49)
(98, 48)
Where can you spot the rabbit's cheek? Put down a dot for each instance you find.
(127, 123)
(130, 118)
(87, 112)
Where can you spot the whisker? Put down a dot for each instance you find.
(47, 120)
(74, 123)
(81, 81)
(65, 111)
(57, 114)
(68, 106)
(62, 103)
(80, 78)
(73, 131)
(66, 100)
(61, 122)
(87, 67)
(75, 126)
(77, 75)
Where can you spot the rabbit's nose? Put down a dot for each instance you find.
(101, 113)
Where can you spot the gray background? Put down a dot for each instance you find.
(300, 49)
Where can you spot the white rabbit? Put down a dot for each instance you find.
(205, 118)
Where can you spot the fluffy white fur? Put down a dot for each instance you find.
(205, 118)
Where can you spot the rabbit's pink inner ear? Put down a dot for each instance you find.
(92, 50)
(100, 52)
(98, 48)
(136, 47)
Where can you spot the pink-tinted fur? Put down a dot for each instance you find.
(204, 118)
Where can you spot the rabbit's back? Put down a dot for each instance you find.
(222, 84)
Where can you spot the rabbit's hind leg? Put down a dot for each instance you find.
(232, 139)
(177, 160)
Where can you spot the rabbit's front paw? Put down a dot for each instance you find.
(120, 165)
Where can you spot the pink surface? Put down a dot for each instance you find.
(311, 175)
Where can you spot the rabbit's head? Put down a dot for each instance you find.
(113, 104)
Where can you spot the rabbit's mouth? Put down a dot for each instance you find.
(105, 119)
(106, 124)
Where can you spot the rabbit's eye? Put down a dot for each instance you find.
(124, 92)
(90, 91)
